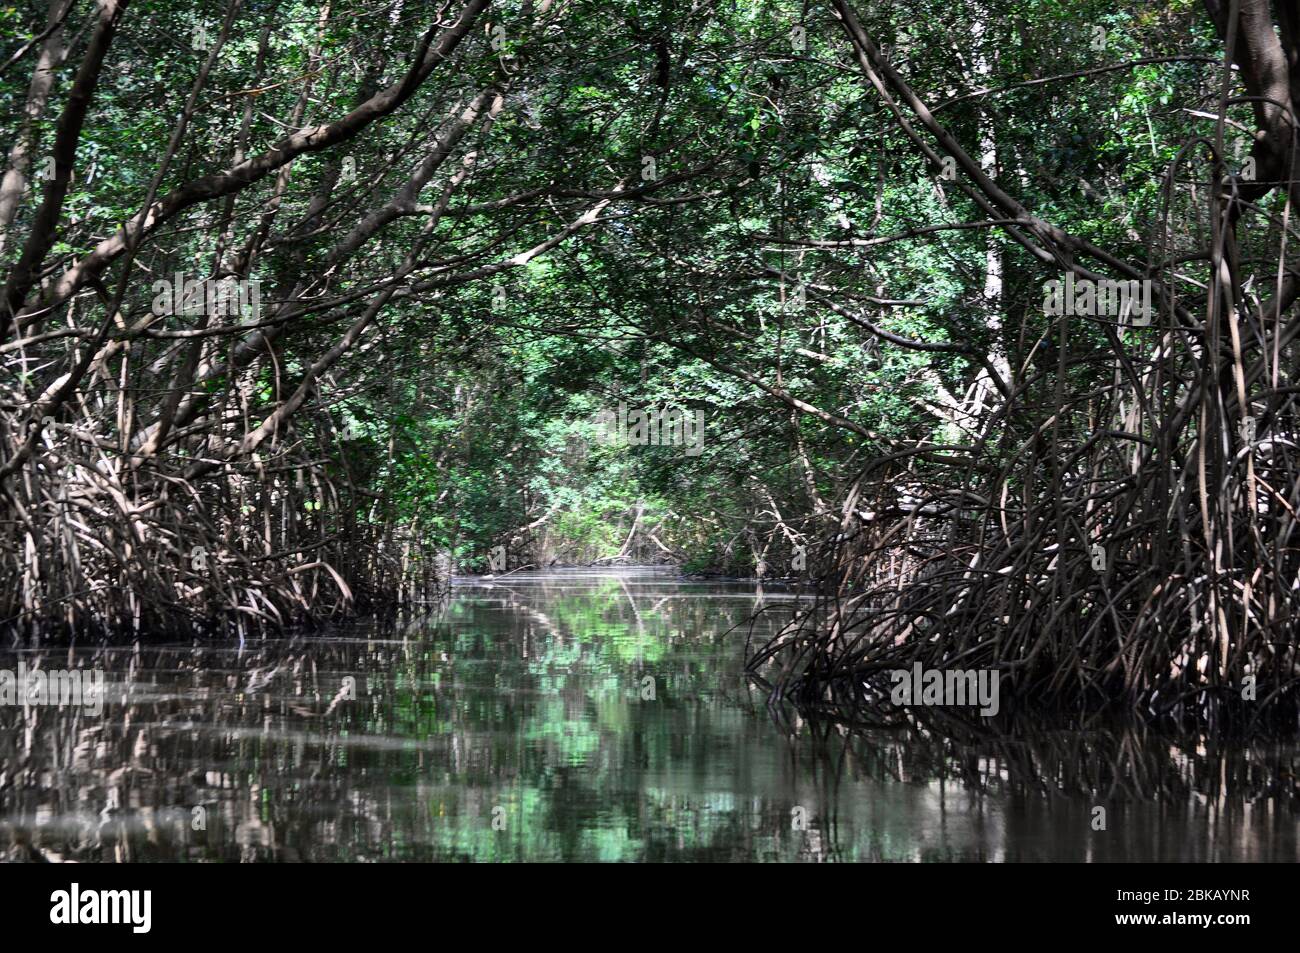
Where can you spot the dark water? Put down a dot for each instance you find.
(579, 716)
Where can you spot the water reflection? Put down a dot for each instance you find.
(580, 716)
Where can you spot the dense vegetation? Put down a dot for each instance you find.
(453, 240)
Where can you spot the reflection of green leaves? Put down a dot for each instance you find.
(571, 740)
(568, 709)
(594, 617)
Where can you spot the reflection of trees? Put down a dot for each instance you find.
(525, 698)
(1226, 798)
(528, 703)
(257, 740)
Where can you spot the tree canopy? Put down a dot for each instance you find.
(984, 309)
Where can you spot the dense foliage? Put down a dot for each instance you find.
(466, 236)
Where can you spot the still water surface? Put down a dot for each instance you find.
(583, 715)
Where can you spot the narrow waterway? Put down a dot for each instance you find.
(583, 715)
